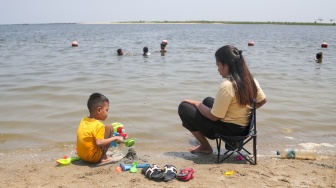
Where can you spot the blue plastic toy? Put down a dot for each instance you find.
(126, 167)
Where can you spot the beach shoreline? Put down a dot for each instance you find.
(207, 22)
(37, 168)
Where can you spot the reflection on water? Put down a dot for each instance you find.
(45, 82)
(318, 69)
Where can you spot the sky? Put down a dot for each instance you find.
(78, 11)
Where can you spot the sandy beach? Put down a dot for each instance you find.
(37, 168)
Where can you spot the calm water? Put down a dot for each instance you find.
(45, 83)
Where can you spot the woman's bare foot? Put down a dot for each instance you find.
(201, 149)
(105, 159)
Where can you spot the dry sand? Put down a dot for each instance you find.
(37, 168)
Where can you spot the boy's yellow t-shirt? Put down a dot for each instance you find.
(89, 130)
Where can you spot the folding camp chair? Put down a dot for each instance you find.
(234, 144)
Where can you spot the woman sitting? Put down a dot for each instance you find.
(228, 113)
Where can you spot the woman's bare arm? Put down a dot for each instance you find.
(205, 111)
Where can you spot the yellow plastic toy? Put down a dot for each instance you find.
(229, 173)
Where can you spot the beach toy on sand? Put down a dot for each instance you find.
(239, 157)
(118, 169)
(134, 168)
(229, 173)
(126, 167)
(67, 160)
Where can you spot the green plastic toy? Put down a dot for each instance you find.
(67, 161)
(134, 168)
(129, 142)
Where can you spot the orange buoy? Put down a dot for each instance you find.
(324, 45)
(251, 43)
(74, 44)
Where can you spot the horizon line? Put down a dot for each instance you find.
(188, 22)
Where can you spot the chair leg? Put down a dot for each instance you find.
(255, 149)
(218, 143)
(248, 158)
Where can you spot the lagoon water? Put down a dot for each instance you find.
(45, 83)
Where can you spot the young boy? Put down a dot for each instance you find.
(93, 137)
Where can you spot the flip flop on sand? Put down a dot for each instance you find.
(153, 172)
(169, 173)
(185, 174)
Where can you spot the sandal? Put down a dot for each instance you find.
(169, 173)
(185, 174)
(154, 173)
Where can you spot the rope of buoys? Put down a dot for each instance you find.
(251, 43)
(324, 45)
(74, 44)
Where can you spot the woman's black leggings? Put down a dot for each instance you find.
(193, 120)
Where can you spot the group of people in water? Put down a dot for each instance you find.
(146, 53)
(145, 50)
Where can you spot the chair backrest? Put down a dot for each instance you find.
(253, 122)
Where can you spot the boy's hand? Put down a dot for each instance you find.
(119, 139)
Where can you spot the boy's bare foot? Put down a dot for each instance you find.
(105, 159)
(201, 149)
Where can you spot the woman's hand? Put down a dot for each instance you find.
(193, 102)
(205, 111)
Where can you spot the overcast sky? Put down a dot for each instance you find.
(74, 11)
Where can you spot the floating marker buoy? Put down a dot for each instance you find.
(251, 43)
(74, 43)
(324, 45)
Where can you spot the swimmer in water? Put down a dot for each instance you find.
(145, 51)
(319, 57)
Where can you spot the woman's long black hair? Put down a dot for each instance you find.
(239, 74)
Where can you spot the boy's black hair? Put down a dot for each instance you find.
(95, 100)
